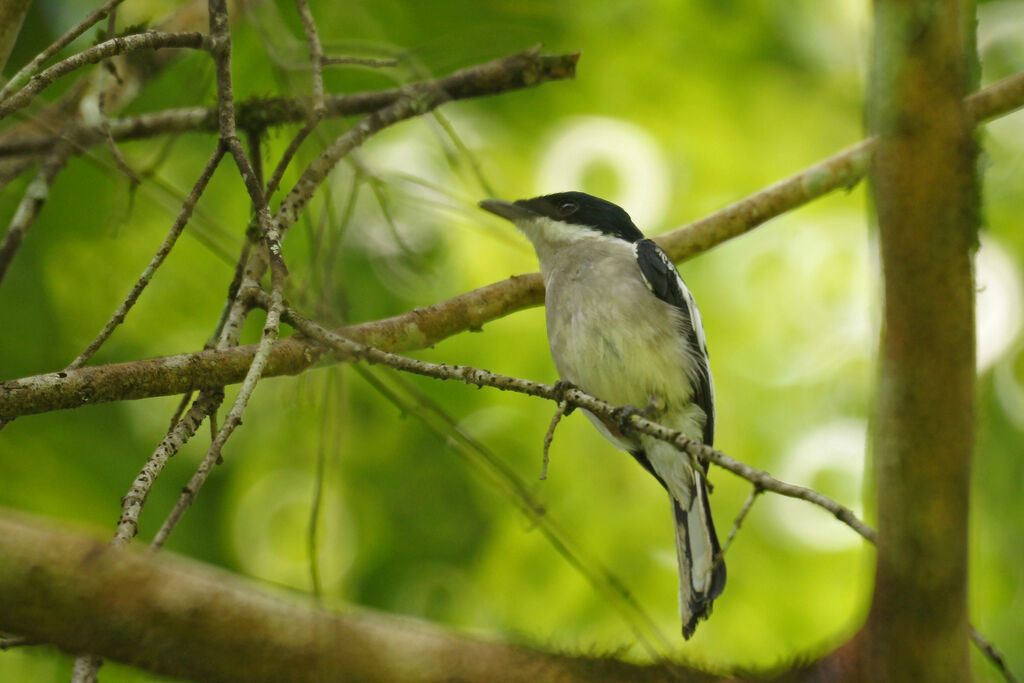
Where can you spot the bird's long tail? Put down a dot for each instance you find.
(701, 570)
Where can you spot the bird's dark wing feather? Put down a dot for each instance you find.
(663, 279)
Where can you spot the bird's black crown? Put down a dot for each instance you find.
(581, 208)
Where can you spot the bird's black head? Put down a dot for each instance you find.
(581, 208)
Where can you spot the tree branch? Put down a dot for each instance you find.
(424, 327)
(150, 40)
(36, 194)
(23, 74)
(181, 618)
(257, 114)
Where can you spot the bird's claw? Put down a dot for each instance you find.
(561, 387)
(622, 414)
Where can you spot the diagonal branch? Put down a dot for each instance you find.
(151, 40)
(23, 74)
(427, 326)
(262, 113)
(35, 196)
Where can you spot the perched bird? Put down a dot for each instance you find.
(623, 327)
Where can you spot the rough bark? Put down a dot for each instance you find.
(180, 618)
(925, 190)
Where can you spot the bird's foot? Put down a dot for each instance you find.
(622, 414)
(655, 407)
(561, 387)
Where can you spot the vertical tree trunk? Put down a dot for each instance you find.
(926, 195)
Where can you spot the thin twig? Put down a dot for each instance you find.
(180, 410)
(289, 153)
(316, 57)
(231, 422)
(86, 669)
(115, 151)
(269, 112)
(25, 72)
(12, 17)
(328, 423)
(993, 654)
(35, 196)
(754, 493)
(151, 40)
(359, 61)
(179, 434)
(466, 152)
(555, 419)
(161, 254)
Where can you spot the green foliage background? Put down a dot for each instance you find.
(711, 100)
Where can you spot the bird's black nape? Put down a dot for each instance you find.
(581, 208)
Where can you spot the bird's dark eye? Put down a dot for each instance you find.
(567, 208)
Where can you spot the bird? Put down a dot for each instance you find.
(622, 326)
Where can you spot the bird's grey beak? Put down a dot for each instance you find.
(508, 210)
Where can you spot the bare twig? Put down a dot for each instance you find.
(151, 40)
(231, 422)
(754, 493)
(993, 654)
(550, 435)
(359, 61)
(262, 113)
(289, 154)
(180, 432)
(328, 425)
(23, 74)
(316, 57)
(86, 669)
(35, 196)
(155, 262)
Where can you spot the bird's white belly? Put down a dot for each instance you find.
(621, 345)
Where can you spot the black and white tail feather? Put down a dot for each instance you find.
(701, 571)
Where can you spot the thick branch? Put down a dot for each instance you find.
(214, 368)
(183, 619)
